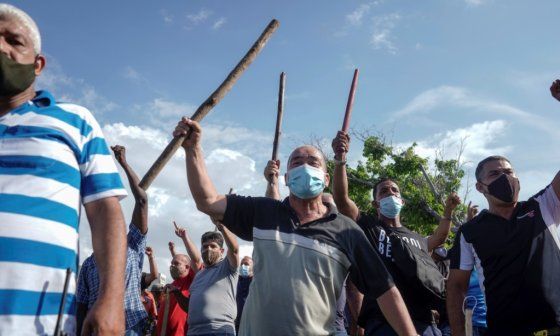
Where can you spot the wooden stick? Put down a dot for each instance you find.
(165, 312)
(279, 114)
(214, 99)
(350, 102)
(58, 327)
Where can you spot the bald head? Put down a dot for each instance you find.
(307, 154)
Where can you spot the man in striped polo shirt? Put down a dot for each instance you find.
(53, 158)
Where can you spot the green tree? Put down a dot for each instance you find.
(404, 166)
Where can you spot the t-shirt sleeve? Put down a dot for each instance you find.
(367, 270)
(100, 177)
(461, 255)
(239, 217)
(82, 291)
(549, 206)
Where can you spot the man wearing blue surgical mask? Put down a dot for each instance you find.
(391, 240)
(303, 248)
(245, 279)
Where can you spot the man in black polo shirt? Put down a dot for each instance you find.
(303, 249)
(390, 238)
(515, 248)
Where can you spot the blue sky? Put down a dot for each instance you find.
(433, 72)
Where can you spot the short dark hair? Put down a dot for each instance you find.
(481, 164)
(213, 236)
(379, 181)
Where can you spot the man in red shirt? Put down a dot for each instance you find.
(183, 269)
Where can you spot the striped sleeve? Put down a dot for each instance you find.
(99, 174)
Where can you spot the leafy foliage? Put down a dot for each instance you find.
(404, 167)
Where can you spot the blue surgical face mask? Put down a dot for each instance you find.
(390, 206)
(244, 270)
(305, 181)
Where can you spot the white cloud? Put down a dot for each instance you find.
(355, 18)
(450, 96)
(231, 155)
(167, 17)
(75, 90)
(219, 23)
(382, 34)
(474, 3)
(479, 141)
(198, 18)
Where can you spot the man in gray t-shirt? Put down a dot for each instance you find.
(211, 306)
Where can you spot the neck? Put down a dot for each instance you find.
(504, 211)
(391, 222)
(308, 209)
(9, 103)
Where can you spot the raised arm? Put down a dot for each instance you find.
(192, 251)
(271, 173)
(140, 213)
(172, 249)
(109, 245)
(231, 243)
(457, 285)
(202, 189)
(340, 146)
(153, 266)
(442, 231)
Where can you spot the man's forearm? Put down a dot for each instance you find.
(354, 299)
(153, 268)
(202, 188)
(272, 190)
(395, 312)
(193, 252)
(340, 192)
(140, 213)
(232, 245)
(455, 298)
(109, 246)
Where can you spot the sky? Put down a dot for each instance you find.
(434, 72)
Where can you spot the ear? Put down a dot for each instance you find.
(375, 204)
(40, 62)
(327, 180)
(222, 250)
(479, 187)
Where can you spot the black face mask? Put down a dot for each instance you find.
(14, 77)
(505, 188)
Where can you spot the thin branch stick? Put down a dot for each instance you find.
(214, 99)
(350, 103)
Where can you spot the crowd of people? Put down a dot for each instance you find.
(320, 264)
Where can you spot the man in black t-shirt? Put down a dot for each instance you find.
(389, 237)
(303, 248)
(516, 249)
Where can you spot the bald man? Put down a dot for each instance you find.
(303, 248)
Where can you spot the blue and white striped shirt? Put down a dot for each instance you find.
(53, 158)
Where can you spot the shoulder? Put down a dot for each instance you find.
(366, 220)
(476, 224)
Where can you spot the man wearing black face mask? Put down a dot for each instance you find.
(516, 249)
(53, 159)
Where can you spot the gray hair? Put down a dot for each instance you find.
(9, 11)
